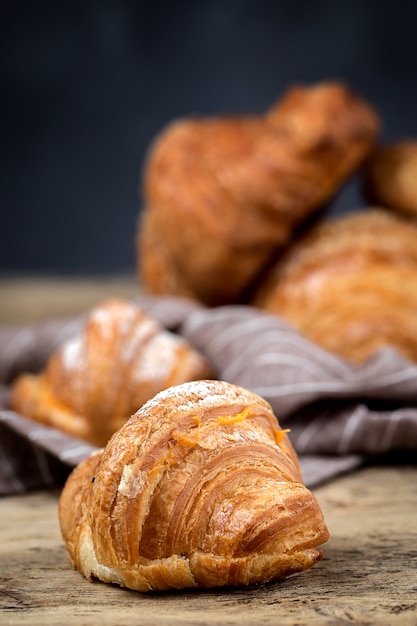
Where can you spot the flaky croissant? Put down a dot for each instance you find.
(222, 193)
(200, 488)
(350, 285)
(390, 177)
(97, 379)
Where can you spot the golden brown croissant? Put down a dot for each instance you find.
(200, 488)
(222, 193)
(96, 380)
(350, 285)
(390, 178)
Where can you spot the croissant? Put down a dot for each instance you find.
(97, 379)
(390, 177)
(200, 488)
(350, 285)
(222, 193)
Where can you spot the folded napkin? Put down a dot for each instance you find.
(339, 414)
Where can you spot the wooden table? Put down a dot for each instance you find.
(368, 575)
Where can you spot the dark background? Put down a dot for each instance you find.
(87, 85)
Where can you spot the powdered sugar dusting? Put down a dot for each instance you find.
(157, 358)
(204, 393)
(105, 318)
(213, 439)
(73, 353)
(139, 334)
(127, 323)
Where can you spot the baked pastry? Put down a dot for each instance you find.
(390, 177)
(200, 488)
(222, 194)
(350, 285)
(96, 380)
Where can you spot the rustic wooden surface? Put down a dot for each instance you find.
(368, 575)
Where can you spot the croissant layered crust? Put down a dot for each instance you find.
(97, 379)
(350, 285)
(223, 193)
(200, 488)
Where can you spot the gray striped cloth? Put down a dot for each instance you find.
(339, 415)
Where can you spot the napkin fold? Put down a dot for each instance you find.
(339, 414)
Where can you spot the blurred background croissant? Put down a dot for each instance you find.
(213, 150)
(86, 87)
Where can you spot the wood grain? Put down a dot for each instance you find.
(368, 575)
